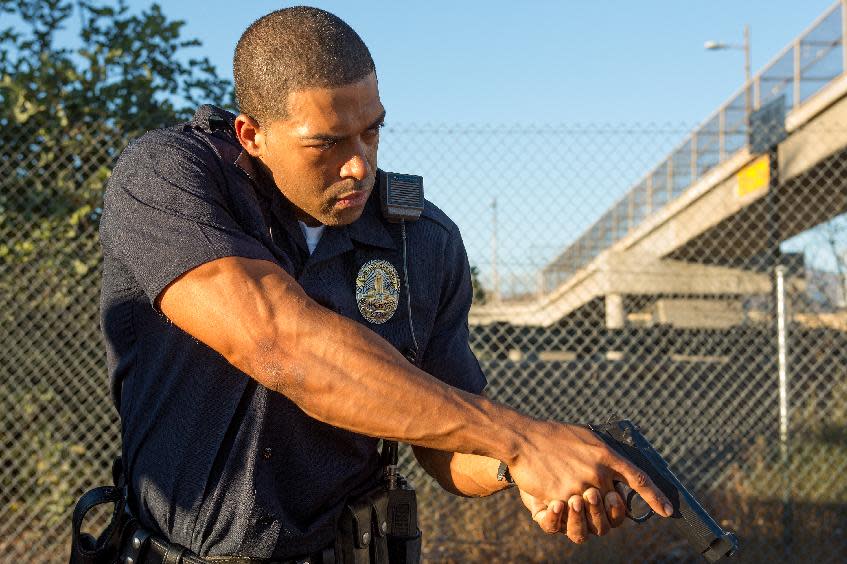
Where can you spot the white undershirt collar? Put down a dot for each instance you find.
(312, 235)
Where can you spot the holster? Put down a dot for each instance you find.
(105, 549)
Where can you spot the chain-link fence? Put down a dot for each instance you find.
(673, 323)
(679, 322)
(59, 431)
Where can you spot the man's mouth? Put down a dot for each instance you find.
(353, 199)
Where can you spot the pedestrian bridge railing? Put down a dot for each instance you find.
(806, 66)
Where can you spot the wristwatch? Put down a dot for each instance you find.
(503, 474)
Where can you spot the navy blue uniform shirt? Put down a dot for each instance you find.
(217, 462)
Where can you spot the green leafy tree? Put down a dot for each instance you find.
(128, 69)
(66, 111)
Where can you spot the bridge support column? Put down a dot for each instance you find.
(615, 314)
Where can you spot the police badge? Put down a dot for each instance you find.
(377, 290)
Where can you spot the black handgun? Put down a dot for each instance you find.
(704, 534)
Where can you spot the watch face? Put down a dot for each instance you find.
(503, 474)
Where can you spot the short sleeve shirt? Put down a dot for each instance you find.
(217, 462)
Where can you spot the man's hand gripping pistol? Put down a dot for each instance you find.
(704, 534)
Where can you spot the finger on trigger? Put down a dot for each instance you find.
(615, 509)
(641, 483)
(577, 530)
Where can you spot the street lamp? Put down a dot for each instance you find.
(718, 46)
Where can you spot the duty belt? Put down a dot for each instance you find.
(361, 539)
(379, 527)
(143, 548)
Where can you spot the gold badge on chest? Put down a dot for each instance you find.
(377, 290)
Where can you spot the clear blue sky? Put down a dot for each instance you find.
(637, 68)
(568, 61)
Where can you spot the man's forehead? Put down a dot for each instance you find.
(333, 110)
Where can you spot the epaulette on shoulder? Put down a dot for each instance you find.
(208, 122)
(176, 135)
(434, 214)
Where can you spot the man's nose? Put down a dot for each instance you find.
(356, 166)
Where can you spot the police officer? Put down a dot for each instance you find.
(266, 324)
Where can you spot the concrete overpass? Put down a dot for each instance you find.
(684, 237)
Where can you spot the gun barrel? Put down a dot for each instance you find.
(702, 531)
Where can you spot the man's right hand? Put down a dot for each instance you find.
(557, 461)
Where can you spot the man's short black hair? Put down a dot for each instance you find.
(293, 49)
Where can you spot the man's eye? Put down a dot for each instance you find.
(374, 130)
(325, 145)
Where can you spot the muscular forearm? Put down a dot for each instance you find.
(333, 368)
(467, 475)
(341, 373)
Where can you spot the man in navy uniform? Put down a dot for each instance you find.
(256, 362)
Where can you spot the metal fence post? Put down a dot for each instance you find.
(784, 444)
(780, 328)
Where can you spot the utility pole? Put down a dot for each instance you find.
(766, 131)
(495, 276)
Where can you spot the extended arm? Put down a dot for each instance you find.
(255, 315)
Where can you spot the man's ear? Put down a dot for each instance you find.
(250, 135)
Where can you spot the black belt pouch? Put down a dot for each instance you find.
(404, 536)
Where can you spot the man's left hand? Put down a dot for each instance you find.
(586, 515)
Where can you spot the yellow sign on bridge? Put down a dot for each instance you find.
(754, 178)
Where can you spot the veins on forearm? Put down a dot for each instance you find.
(286, 379)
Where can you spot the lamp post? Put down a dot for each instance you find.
(718, 46)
